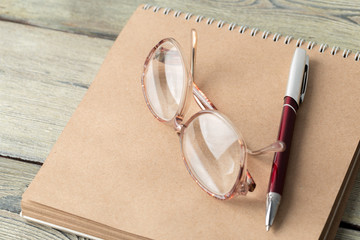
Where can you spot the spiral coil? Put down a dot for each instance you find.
(323, 47)
(334, 50)
(242, 29)
(276, 37)
(310, 45)
(210, 21)
(188, 16)
(265, 34)
(232, 26)
(288, 39)
(177, 14)
(220, 24)
(199, 18)
(346, 53)
(254, 31)
(357, 56)
(166, 11)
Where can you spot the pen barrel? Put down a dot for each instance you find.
(280, 161)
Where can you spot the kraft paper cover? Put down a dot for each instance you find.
(115, 164)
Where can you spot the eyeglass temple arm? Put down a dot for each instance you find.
(278, 146)
(200, 97)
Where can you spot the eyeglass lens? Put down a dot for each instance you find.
(165, 80)
(213, 152)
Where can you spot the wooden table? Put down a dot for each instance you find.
(51, 50)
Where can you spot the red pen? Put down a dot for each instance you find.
(295, 93)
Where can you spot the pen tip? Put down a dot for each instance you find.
(267, 228)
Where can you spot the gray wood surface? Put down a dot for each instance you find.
(51, 50)
(15, 177)
(352, 210)
(332, 22)
(347, 234)
(15, 227)
(44, 75)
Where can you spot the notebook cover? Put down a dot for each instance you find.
(116, 165)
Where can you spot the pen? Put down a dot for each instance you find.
(295, 93)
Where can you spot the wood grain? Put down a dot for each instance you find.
(334, 23)
(347, 234)
(15, 227)
(352, 210)
(15, 177)
(43, 76)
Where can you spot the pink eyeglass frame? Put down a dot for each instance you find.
(244, 182)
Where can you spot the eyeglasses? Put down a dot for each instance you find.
(214, 152)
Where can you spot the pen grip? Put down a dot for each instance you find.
(280, 161)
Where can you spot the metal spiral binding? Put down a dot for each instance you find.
(322, 48)
(166, 11)
(346, 53)
(242, 29)
(276, 37)
(299, 42)
(232, 26)
(177, 13)
(147, 6)
(357, 56)
(334, 50)
(210, 21)
(265, 34)
(288, 39)
(188, 16)
(254, 31)
(220, 24)
(199, 18)
(311, 45)
(156, 9)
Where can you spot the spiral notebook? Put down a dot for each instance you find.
(117, 173)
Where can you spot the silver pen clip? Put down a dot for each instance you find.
(298, 76)
(305, 80)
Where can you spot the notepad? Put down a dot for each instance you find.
(117, 173)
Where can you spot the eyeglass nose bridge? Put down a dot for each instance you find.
(178, 124)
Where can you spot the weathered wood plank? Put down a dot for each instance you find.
(347, 234)
(43, 76)
(15, 227)
(352, 210)
(15, 176)
(334, 23)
